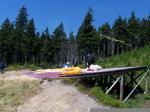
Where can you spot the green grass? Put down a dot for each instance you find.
(138, 57)
(14, 93)
(138, 101)
(100, 96)
(134, 58)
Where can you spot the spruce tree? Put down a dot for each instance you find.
(133, 29)
(120, 33)
(87, 37)
(148, 30)
(38, 48)
(6, 44)
(59, 45)
(20, 34)
(143, 32)
(30, 42)
(72, 51)
(45, 39)
(105, 44)
(120, 29)
(105, 29)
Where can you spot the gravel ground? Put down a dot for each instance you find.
(57, 97)
(53, 97)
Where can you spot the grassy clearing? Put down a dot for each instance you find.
(14, 93)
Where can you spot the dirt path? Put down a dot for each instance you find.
(15, 75)
(57, 97)
(54, 97)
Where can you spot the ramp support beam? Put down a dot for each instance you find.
(136, 86)
(121, 79)
(121, 86)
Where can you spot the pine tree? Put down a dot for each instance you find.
(38, 48)
(143, 32)
(59, 45)
(87, 37)
(133, 28)
(105, 46)
(45, 39)
(105, 29)
(120, 33)
(148, 30)
(72, 51)
(120, 29)
(30, 42)
(20, 34)
(6, 44)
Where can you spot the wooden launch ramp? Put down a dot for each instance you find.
(134, 73)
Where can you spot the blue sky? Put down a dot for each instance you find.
(49, 13)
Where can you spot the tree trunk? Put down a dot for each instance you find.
(112, 48)
(104, 49)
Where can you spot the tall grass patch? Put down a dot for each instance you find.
(14, 93)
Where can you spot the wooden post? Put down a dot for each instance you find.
(121, 87)
(146, 84)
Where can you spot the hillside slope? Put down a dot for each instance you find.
(134, 58)
(138, 57)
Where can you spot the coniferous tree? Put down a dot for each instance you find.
(87, 37)
(6, 44)
(20, 34)
(30, 42)
(105, 29)
(45, 39)
(105, 43)
(148, 30)
(143, 32)
(133, 31)
(59, 46)
(120, 29)
(38, 48)
(72, 54)
(120, 33)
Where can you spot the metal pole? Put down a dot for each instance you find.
(112, 85)
(136, 86)
(121, 87)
